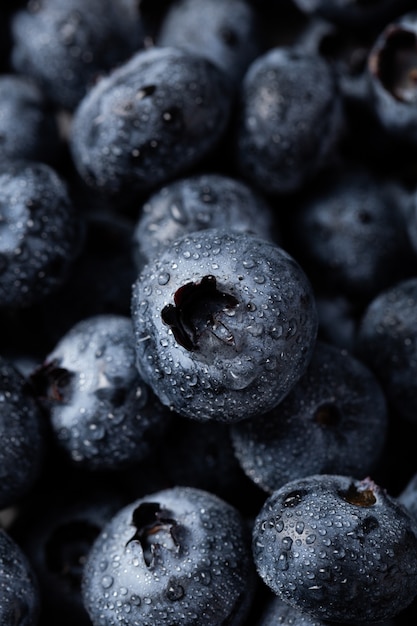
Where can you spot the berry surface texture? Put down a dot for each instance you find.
(208, 312)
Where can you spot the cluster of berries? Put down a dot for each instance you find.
(208, 312)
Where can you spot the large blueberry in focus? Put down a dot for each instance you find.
(178, 556)
(338, 548)
(150, 120)
(225, 324)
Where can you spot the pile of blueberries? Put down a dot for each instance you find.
(208, 312)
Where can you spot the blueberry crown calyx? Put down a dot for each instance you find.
(197, 308)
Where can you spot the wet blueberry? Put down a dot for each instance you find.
(333, 421)
(197, 202)
(102, 414)
(225, 324)
(150, 120)
(337, 548)
(179, 556)
(387, 341)
(40, 233)
(351, 235)
(66, 44)
(289, 119)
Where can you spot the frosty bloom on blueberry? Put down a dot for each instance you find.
(225, 324)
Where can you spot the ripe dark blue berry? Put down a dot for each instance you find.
(333, 421)
(337, 548)
(67, 44)
(179, 556)
(225, 324)
(102, 414)
(39, 233)
(198, 202)
(150, 120)
(289, 119)
(387, 341)
(227, 33)
(351, 236)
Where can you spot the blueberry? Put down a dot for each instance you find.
(66, 44)
(289, 119)
(198, 202)
(333, 421)
(179, 556)
(150, 120)
(387, 342)
(19, 591)
(40, 233)
(102, 414)
(351, 235)
(22, 447)
(225, 324)
(28, 129)
(391, 70)
(227, 33)
(337, 548)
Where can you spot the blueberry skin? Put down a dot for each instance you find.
(40, 233)
(103, 416)
(208, 200)
(387, 342)
(280, 613)
(225, 324)
(227, 33)
(22, 436)
(337, 548)
(333, 421)
(28, 129)
(289, 120)
(390, 66)
(66, 44)
(19, 592)
(178, 556)
(351, 235)
(150, 120)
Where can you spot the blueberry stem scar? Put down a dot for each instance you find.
(196, 309)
